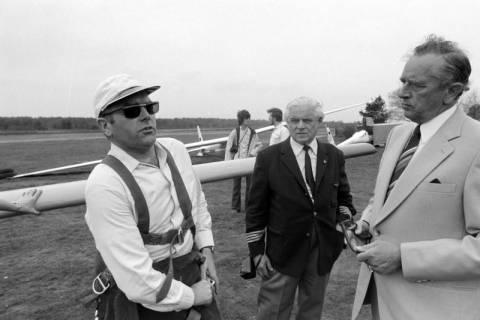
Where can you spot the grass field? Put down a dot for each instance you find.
(46, 261)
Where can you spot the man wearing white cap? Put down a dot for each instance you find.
(147, 220)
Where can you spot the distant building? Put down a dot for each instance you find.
(381, 131)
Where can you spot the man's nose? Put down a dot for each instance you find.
(144, 115)
(403, 93)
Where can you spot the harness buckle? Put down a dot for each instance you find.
(180, 236)
(99, 285)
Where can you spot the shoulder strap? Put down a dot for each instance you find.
(252, 133)
(182, 193)
(139, 200)
(143, 214)
(237, 129)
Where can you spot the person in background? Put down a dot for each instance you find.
(150, 224)
(280, 132)
(299, 193)
(242, 143)
(424, 259)
(25, 203)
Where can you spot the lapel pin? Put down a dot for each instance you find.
(324, 161)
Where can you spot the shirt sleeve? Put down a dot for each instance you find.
(252, 152)
(284, 134)
(274, 137)
(110, 219)
(228, 154)
(200, 213)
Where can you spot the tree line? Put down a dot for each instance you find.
(17, 124)
(378, 111)
(46, 124)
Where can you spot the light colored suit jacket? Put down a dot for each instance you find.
(436, 224)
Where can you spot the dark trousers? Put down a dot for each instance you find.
(277, 294)
(114, 305)
(189, 273)
(237, 192)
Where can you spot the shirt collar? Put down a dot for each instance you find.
(428, 129)
(130, 162)
(297, 147)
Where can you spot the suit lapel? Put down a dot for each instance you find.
(290, 161)
(389, 161)
(322, 157)
(431, 156)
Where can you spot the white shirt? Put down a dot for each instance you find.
(280, 133)
(244, 151)
(112, 220)
(300, 156)
(429, 128)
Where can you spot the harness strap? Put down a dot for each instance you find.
(139, 200)
(252, 133)
(181, 190)
(171, 237)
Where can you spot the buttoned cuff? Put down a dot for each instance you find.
(187, 298)
(411, 260)
(204, 238)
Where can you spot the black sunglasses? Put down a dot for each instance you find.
(133, 111)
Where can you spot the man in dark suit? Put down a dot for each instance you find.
(299, 189)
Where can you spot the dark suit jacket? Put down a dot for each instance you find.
(279, 201)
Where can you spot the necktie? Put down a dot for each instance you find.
(405, 158)
(308, 170)
(311, 185)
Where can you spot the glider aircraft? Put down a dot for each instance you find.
(68, 194)
(202, 146)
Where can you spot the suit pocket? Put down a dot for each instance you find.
(437, 187)
(275, 246)
(454, 285)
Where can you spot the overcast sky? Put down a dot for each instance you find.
(213, 58)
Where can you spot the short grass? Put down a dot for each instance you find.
(46, 262)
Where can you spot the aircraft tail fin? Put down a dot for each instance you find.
(329, 136)
(199, 133)
(358, 137)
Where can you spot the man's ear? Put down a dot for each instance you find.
(454, 91)
(104, 125)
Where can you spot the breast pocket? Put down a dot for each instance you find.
(437, 187)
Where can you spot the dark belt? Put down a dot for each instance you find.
(172, 236)
(104, 280)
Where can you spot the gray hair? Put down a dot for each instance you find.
(304, 101)
(457, 67)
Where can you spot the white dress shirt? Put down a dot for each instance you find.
(428, 129)
(112, 220)
(279, 134)
(300, 156)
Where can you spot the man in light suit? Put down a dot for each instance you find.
(299, 191)
(424, 259)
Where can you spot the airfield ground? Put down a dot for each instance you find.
(46, 261)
